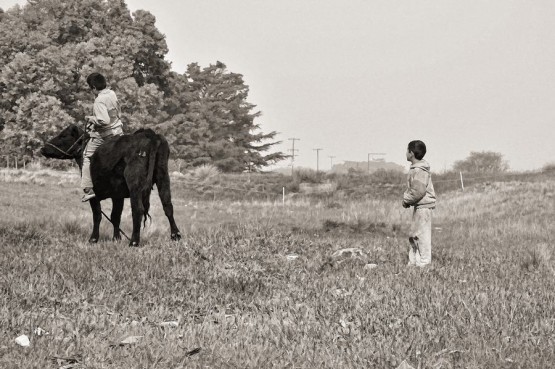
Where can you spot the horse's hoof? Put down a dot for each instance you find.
(93, 240)
(116, 238)
(176, 236)
(133, 244)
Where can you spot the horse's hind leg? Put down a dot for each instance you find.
(164, 191)
(137, 211)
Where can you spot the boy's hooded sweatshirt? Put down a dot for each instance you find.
(106, 116)
(420, 190)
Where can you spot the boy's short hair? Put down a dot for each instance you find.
(418, 148)
(96, 81)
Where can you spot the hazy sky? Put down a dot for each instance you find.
(361, 76)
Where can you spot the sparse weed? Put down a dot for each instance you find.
(203, 173)
(537, 257)
(73, 227)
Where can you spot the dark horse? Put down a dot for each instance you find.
(125, 166)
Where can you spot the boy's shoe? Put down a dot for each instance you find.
(89, 194)
(414, 243)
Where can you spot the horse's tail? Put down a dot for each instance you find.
(152, 164)
(149, 183)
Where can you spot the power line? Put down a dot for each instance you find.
(331, 161)
(317, 158)
(292, 149)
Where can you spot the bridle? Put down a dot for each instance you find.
(67, 153)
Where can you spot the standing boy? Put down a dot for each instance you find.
(421, 195)
(102, 125)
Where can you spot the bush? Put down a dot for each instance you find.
(308, 175)
(292, 186)
(56, 164)
(549, 168)
(388, 176)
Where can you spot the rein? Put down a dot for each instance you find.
(66, 153)
(119, 229)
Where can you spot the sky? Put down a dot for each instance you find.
(368, 76)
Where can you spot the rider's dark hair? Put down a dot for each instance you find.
(96, 81)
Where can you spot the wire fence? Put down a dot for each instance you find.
(24, 162)
(282, 191)
(16, 162)
(359, 187)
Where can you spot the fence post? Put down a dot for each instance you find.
(283, 196)
(462, 183)
(15, 162)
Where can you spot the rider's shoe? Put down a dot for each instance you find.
(89, 194)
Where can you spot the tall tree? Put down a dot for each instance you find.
(218, 125)
(48, 49)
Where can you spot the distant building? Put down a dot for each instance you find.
(359, 166)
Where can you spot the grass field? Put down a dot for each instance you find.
(253, 284)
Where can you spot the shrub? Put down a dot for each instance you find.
(56, 164)
(388, 176)
(549, 168)
(308, 175)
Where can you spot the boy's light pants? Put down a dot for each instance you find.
(92, 145)
(420, 252)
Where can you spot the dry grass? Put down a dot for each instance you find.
(40, 176)
(487, 301)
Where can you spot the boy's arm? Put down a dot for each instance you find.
(101, 116)
(417, 188)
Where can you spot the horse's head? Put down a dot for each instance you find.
(66, 145)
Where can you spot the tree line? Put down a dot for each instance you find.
(49, 47)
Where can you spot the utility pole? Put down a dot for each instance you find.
(373, 153)
(331, 161)
(317, 159)
(293, 152)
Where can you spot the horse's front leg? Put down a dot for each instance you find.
(97, 217)
(117, 209)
